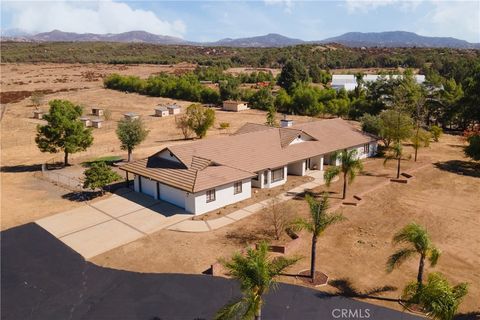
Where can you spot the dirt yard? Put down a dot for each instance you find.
(443, 196)
(354, 252)
(82, 84)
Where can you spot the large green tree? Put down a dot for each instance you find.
(316, 223)
(64, 130)
(99, 175)
(131, 133)
(350, 166)
(200, 119)
(293, 72)
(418, 242)
(256, 272)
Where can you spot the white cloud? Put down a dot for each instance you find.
(460, 19)
(103, 16)
(287, 4)
(364, 6)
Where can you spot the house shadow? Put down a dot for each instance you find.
(466, 168)
(21, 168)
(346, 289)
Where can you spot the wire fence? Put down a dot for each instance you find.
(62, 180)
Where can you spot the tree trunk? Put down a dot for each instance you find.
(416, 151)
(130, 158)
(312, 261)
(65, 159)
(398, 166)
(258, 315)
(420, 271)
(344, 186)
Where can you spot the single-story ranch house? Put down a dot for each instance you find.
(209, 174)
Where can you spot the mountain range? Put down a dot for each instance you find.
(351, 39)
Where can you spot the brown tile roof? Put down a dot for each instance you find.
(287, 135)
(252, 127)
(200, 176)
(213, 162)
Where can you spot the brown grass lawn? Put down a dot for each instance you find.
(443, 196)
(356, 250)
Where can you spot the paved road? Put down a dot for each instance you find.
(44, 279)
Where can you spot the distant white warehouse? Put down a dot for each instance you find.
(349, 81)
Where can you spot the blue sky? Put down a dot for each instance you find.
(213, 20)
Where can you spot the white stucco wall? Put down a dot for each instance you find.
(172, 195)
(296, 168)
(149, 187)
(302, 138)
(224, 195)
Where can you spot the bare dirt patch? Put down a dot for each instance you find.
(353, 254)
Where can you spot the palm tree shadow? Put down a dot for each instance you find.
(475, 315)
(346, 289)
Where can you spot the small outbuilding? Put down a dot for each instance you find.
(97, 123)
(86, 121)
(99, 112)
(131, 116)
(161, 111)
(173, 109)
(38, 114)
(231, 105)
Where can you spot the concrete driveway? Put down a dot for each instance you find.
(106, 224)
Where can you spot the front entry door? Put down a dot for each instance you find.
(308, 164)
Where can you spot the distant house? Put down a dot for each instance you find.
(348, 82)
(86, 121)
(344, 81)
(161, 111)
(99, 112)
(209, 174)
(231, 105)
(130, 116)
(173, 109)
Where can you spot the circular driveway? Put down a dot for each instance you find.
(44, 279)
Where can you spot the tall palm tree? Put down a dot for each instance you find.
(396, 154)
(256, 273)
(350, 167)
(316, 224)
(418, 242)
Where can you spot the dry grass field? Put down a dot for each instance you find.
(23, 195)
(443, 196)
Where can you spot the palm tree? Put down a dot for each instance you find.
(438, 298)
(350, 167)
(256, 274)
(397, 152)
(418, 242)
(317, 223)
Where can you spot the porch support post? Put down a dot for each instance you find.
(126, 181)
(321, 163)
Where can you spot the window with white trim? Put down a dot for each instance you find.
(366, 148)
(277, 175)
(237, 187)
(210, 195)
